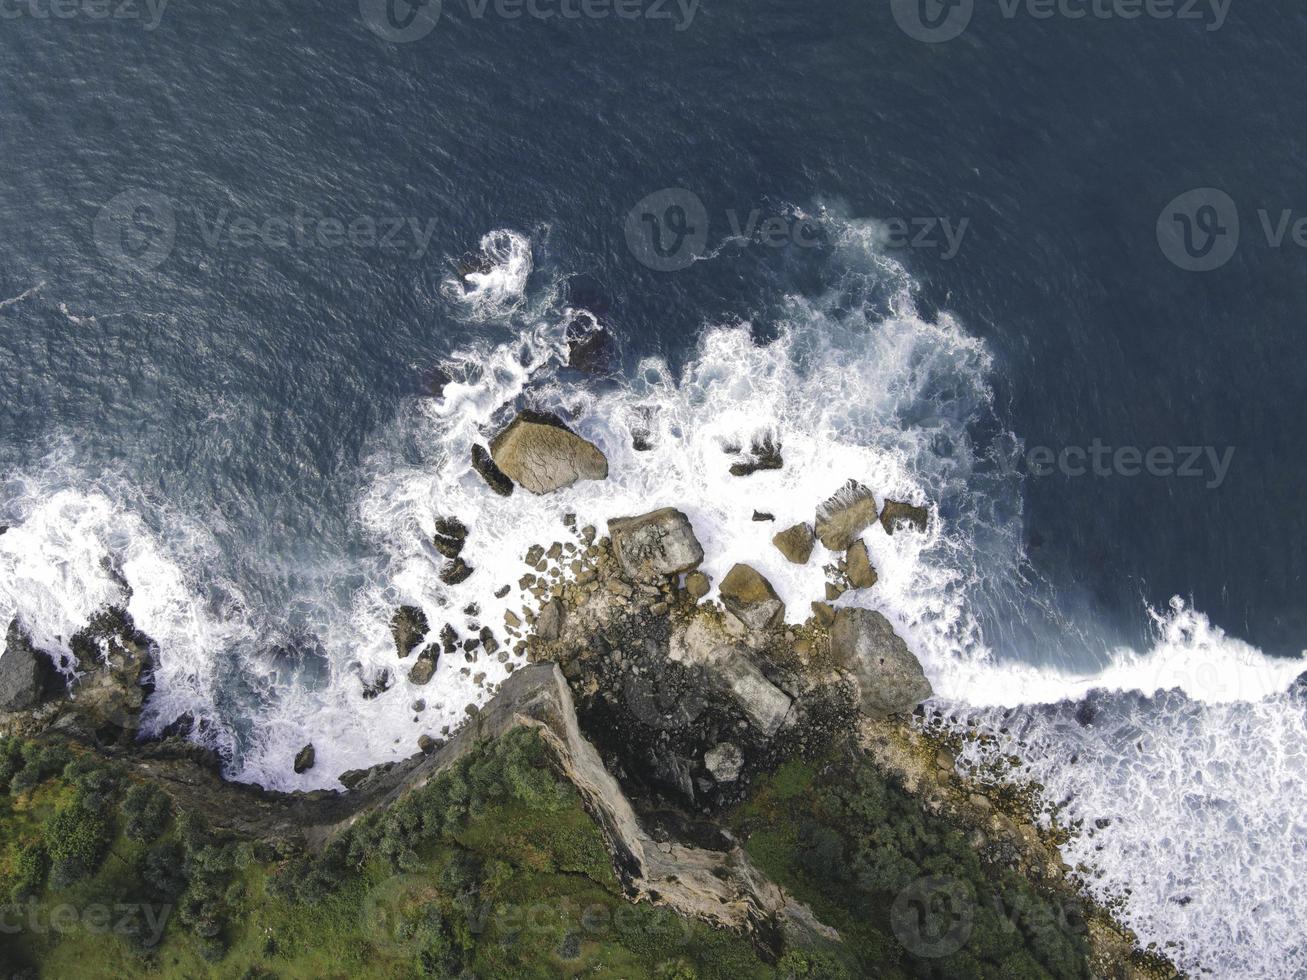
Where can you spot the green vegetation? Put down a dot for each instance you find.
(905, 890)
(493, 869)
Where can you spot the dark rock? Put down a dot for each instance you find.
(377, 686)
(895, 514)
(842, 519)
(539, 452)
(427, 744)
(408, 626)
(455, 571)
(594, 352)
(450, 536)
(760, 516)
(655, 545)
(449, 638)
(697, 584)
(766, 456)
(751, 598)
(889, 677)
(640, 441)
(352, 777)
(27, 676)
(824, 613)
(796, 543)
(501, 592)
(304, 759)
(495, 478)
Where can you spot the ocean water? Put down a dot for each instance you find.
(266, 275)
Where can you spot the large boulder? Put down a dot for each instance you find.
(304, 759)
(842, 519)
(655, 545)
(27, 676)
(492, 474)
(896, 514)
(751, 598)
(796, 543)
(542, 454)
(425, 666)
(889, 677)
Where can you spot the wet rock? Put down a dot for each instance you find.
(751, 598)
(495, 478)
(761, 516)
(824, 613)
(450, 536)
(549, 621)
(842, 518)
(858, 567)
(304, 759)
(352, 777)
(889, 678)
(27, 676)
(656, 544)
(424, 668)
(455, 571)
(697, 584)
(766, 456)
(593, 352)
(418, 706)
(408, 626)
(503, 591)
(796, 543)
(377, 686)
(724, 762)
(427, 744)
(640, 441)
(542, 454)
(896, 514)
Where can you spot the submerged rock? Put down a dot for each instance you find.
(377, 686)
(408, 626)
(858, 567)
(842, 518)
(304, 759)
(896, 514)
(656, 544)
(766, 456)
(492, 474)
(890, 679)
(796, 543)
(27, 676)
(751, 598)
(542, 454)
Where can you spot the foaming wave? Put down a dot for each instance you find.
(493, 282)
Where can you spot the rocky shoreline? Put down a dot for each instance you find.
(664, 698)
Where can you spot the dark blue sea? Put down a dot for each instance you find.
(267, 271)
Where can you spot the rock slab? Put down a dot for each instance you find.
(656, 544)
(842, 519)
(539, 452)
(751, 598)
(890, 679)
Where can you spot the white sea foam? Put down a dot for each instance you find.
(1203, 785)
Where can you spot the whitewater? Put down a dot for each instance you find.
(1185, 761)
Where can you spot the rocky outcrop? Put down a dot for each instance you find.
(27, 676)
(488, 471)
(655, 545)
(751, 598)
(889, 678)
(895, 515)
(409, 627)
(766, 454)
(542, 454)
(424, 668)
(304, 759)
(858, 567)
(796, 543)
(843, 517)
(718, 648)
(450, 536)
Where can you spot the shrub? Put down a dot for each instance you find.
(77, 839)
(146, 810)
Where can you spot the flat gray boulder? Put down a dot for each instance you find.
(655, 545)
(890, 679)
(542, 454)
